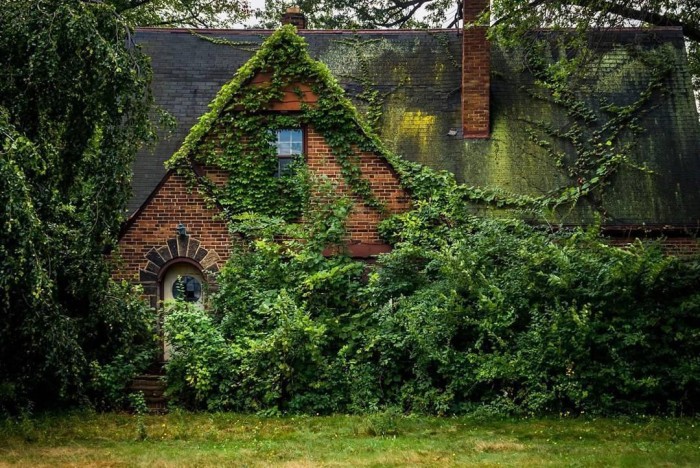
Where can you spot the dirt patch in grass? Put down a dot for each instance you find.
(498, 446)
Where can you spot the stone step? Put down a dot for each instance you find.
(153, 388)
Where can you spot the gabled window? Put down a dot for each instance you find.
(290, 143)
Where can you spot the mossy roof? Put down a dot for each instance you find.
(418, 76)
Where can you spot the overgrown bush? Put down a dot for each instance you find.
(121, 339)
(74, 108)
(504, 317)
(272, 340)
(465, 314)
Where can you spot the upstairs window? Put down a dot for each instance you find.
(290, 143)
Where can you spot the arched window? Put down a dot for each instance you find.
(188, 288)
(183, 280)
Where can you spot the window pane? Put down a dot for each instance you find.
(283, 135)
(283, 165)
(284, 148)
(187, 288)
(290, 142)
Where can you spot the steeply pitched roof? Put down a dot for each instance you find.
(413, 79)
(282, 49)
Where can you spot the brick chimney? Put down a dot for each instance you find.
(294, 16)
(476, 72)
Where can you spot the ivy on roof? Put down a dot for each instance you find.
(237, 128)
(236, 135)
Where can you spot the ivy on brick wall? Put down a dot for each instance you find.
(237, 134)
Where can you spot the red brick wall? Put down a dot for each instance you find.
(362, 224)
(150, 241)
(681, 246)
(476, 73)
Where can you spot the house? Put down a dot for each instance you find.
(444, 98)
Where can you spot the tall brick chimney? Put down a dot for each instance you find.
(294, 16)
(476, 72)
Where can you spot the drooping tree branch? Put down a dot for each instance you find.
(621, 9)
(691, 31)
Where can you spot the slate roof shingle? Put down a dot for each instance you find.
(418, 74)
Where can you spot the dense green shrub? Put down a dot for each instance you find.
(74, 107)
(273, 338)
(504, 317)
(120, 340)
(465, 314)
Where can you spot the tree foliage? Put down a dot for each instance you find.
(182, 13)
(74, 107)
(334, 14)
(511, 20)
(524, 14)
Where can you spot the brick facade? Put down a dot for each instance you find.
(149, 243)
(680, 245)
(362, 224)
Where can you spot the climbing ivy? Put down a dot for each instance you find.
(443, 40)
(601, 142)
(593, 140)
(369, 94)
(249, 46)
(236, 135)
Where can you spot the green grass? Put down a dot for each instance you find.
(184, 439)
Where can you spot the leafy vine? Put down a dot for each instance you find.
(370, 94)
(248, 46)
(237, 134)
(602, 143)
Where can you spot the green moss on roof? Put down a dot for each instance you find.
(509, 161)
(284, 55)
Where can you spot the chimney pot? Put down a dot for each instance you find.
(294, 16)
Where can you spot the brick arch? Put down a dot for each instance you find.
(185, 248)
(178, 247)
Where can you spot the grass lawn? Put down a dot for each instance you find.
(184, 439)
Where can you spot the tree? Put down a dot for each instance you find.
(74, 108)
(187, 13)
(511, 18)
(366, 13)
(528, 13)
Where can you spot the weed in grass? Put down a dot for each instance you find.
(382, 424)
(180, 428)
(26, 425)
(138, 403)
